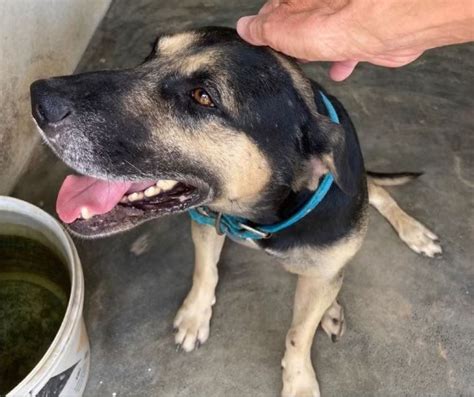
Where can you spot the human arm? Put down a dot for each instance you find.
(385, 32)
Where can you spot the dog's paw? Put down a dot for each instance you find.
(191, 324)
(419, 238)
(333, 322)
(299, 381)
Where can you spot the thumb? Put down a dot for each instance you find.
(250, 29)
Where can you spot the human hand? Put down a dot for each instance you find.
(389, 33)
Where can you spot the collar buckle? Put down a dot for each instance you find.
(263, 235)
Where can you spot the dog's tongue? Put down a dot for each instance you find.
(83, 192)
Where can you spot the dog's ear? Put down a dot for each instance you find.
(330, 148)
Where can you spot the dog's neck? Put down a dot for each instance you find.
(306, 181)
(281, 198)
(281, 202)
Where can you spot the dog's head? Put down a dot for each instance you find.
(206, 119)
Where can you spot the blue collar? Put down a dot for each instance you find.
(239, 228)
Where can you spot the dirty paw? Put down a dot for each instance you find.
(419, 238)
(191, 325)
(333, 322)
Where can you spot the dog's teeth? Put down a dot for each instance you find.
(152, 191)
(135, 196)
(124, 200)
(85, 214)
(166, 184)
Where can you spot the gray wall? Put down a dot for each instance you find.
(38, 38)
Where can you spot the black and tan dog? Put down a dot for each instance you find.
(210, 120)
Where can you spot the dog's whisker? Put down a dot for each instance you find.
(136, 168)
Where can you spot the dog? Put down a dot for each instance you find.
(211, 124)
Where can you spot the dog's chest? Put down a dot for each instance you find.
(255, 245)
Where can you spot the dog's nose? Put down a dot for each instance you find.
(48, 106)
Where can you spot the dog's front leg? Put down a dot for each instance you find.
(314, 295)
(192, 320)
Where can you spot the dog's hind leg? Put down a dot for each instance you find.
(314, 295)
(333, 322)
(193, 318)
(418, 237)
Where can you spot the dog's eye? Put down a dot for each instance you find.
(202, 97)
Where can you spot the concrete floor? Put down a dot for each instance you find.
(410, 319)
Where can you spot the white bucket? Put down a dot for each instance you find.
(64, 368)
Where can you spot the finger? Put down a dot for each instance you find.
(283, 31)
(250, 29)
(342, 70)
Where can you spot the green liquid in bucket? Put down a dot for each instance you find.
(34, 290)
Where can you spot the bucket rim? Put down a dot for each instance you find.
(73, 314)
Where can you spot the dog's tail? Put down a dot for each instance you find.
(392, 179)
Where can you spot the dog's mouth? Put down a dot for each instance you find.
(93, 207)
